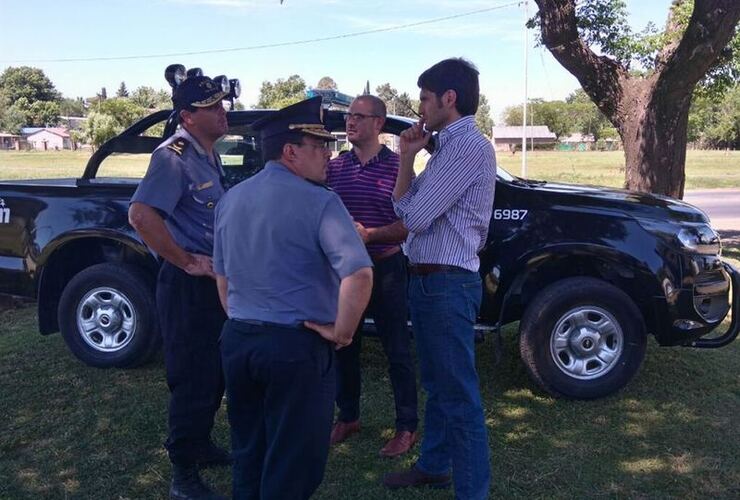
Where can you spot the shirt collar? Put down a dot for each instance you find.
(183, 132)
(460, 126)
(382, 155)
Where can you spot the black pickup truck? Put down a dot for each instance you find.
(589, 272)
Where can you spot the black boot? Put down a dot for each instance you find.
(213, 456)
(187, 485)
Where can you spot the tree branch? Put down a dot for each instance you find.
(599, 76)
(711, 27)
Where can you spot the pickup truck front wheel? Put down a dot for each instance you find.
(107, 316)
(582, 338)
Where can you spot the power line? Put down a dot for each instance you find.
(268, 46)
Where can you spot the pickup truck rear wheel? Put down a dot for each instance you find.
(107, 316)
(582, 338)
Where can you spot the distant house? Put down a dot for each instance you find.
(510, 138)
(577, 142)
(10, 141)
(586, 142)
(52, 138)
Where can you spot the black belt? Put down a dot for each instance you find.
(424, 269)
(268, 324)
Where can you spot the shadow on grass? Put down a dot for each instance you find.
(73, 431)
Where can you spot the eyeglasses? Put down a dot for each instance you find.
(358, 116)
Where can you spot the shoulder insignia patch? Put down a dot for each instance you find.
(179, 146)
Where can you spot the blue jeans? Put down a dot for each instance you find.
(443, 308)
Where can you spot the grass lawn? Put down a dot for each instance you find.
(704, 169)
(71, 431)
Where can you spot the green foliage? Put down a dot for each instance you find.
(24, 81)
(399, 105)
(148, 98)
(12, 119)
(72, 107)
(32, 114)
(603, 24)
(109, 119)
(281, 93)
(122, 90)
(576, 114)
(327, 83)
(43, 114)
(587, 118)
(483, 117)
(715, 122)
(98, 128)
(124, 111)
(27, 98)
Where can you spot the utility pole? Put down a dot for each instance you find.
(524, 104)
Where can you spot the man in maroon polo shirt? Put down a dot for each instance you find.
(364, 179)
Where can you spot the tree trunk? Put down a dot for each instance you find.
(650, 113)
(654, 134)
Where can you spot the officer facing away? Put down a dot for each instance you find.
(173, 212)
(295, 278)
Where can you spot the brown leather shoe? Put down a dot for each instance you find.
(400, 444)
(343, 430)
(415, 478)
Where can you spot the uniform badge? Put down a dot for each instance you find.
(178, 146)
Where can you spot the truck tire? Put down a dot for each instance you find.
(582, 338)
(108, 318)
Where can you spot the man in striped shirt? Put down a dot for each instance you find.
(364, 179)
(447, 210)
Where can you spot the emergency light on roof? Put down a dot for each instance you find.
(175, 74)
(331, 99)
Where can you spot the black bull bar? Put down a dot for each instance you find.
(734, 329)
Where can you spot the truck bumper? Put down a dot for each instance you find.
(732, 332)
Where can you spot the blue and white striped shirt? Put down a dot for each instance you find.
(447, 208)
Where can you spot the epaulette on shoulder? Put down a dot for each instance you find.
(320, 184)
(178, 146)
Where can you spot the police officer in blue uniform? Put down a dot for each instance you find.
(173, 212)
(295, 278)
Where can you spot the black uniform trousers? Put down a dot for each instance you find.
(191, 318)
(280, 385)
(388, 307)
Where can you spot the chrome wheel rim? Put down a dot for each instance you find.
(586, 343)
(106, 319)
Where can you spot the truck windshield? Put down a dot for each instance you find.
(503, 174)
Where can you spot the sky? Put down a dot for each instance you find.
(134, 41)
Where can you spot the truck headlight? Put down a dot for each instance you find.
(697, 238)
(700, 238)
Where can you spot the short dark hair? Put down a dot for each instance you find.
(376, 103)
(454, 74)
(272, 147)
(190, 109)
